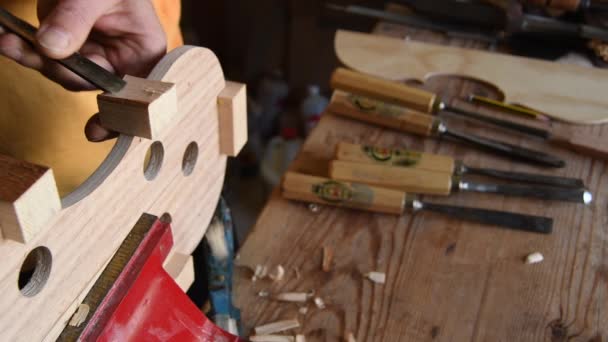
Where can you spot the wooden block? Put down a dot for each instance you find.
(28, 198)
(232, 108)
(143, 108)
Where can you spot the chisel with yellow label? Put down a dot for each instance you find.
(405, 120)
(312, 189)
(421, 181)
(440, 163)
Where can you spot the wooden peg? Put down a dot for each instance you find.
(28, 198)
(232, 109)
(143, 108)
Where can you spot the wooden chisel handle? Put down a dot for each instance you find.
(397, 157)
(312, 189)
(414, 181)
(382, 114)
(381, 89)
(587, 145)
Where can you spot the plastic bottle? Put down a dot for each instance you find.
(312, 107)
(280, 152)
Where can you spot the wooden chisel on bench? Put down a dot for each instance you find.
(426, 182)
(312, 189)
(428, 102)
(405, 120)
(402, 157)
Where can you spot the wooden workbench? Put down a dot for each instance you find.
(446, 279)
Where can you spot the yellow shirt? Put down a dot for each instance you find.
(43, 123)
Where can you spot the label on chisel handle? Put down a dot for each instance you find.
(312, 189)
(399, 157)
(416, 181)
(382, 114)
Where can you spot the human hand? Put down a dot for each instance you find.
(123, 36)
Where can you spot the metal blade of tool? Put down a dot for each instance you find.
(80, 65)
(578, 195)
(503, 124)
(529, 223)
(521, 176)
(505, 148)
(451, 30)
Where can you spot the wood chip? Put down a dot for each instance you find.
(376, 277)
(534, 258)
(296, 297)
(271, 328)
(80, 316)
(260, 273)
(297, 271)
(319, 303)
(300, 338)
(271, 338)
(278, 273)
(350, 337)
(263, 294)
(328, 256)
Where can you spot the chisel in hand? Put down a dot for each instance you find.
(402, 119)
(428, 102)
(364, 197)
(426, 182)
(401, 157)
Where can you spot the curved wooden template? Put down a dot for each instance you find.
(566, 92)
(98, 215)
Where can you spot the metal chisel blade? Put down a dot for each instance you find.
(506, 149)
(504, 124)
(579, 195)
(80, 65)
(524, 177)
(529, 223)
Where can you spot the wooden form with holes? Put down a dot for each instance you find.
(84, 228)
(445, 279)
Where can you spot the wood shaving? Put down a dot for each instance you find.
(263, 294)
(303, 310)
(350, 337)
(271, 338)
(278, 274)
(295, 297)
(80, 316)
(319, 303)
(300, 338)
(328, 256)
(275, 327)
(534, 258)
(376, 277)
(260, 273)
(297, 271)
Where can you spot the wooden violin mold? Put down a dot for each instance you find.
(71, 239)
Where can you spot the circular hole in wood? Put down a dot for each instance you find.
(153, 160)
(35, 271)
(190, 158)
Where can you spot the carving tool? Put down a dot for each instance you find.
(427, 102)
(400, 157)
(80, 65)
(509, 108)
(364, 197)
(570, 5)
(426, 182)
(451, 30)
(387, 115)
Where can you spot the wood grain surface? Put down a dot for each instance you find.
(447, 280)
(567, 92)
(84, 235)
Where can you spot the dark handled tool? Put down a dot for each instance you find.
(364, 197)
(571, 5)
(401, 157)
(451, 30)
(387, 115)
(427, 102)
(77, 63)
(426, 182)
